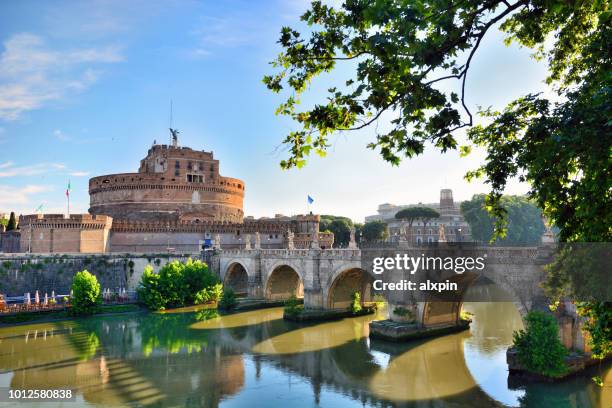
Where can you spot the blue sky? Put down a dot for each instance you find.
(85, 88)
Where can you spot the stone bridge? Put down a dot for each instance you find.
(326, 279)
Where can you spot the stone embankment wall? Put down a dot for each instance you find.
(20, 273)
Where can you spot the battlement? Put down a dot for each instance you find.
(158, 148)
(81, 221)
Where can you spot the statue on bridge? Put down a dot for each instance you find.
(247, 241)
(290, 244)
(257, 240)
(352, 242)
(314, 242)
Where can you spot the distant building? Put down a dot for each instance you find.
(455, 228)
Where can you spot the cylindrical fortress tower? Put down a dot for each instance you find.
(173, 183)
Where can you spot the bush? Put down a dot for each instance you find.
(228, 299)
(210, 294)
(293, 306)
(85, 293)
(355, 306)
(149, 292)
(178, 284)
(405, 313)
(538, 347)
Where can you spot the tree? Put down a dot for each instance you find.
(12, 222)
(375, 231)
(412, 214)
(149, 291)
(400, 52)
(538, 347)
(178, 284)
(340, 226)
(85, 293)
(525, 225)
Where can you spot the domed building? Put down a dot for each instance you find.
(173, 183)
(176, 202)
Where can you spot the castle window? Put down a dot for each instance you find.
(195, 178)
(177, 164)
(177, 173)
(189, 166)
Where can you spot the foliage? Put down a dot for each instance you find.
(11, 225)
(402, 53)
(86, 297)
(149, 292)
(465, 315)
(398, 55)
(178, 284)
(538, 347)
(209, 294)
(403, 312)
(293, 306)
(525, 225)
(355, 306)
(340, 226)
(228, 299)
(375, 231)
(577, 272)
(411, 214)
(599, 326)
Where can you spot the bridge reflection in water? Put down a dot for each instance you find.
(257, 359)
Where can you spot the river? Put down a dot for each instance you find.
(191, 358)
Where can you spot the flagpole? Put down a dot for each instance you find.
(68, 199)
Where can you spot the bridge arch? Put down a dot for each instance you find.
(439, 312)
(282, 282)
(344, 282)
(237, 278)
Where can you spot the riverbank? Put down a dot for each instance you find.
(63, 314)
(575, 363)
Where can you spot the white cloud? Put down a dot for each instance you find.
(11, 195)
(32, 74)
(79, 174)
(8, 169)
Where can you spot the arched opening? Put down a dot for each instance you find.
(346, 284)
(283, 283)
(237, 279)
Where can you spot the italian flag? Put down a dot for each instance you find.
(68, 190)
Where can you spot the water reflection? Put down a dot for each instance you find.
(196, 358)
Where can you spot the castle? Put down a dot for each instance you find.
(176, 202)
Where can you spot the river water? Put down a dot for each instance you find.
(251, 359)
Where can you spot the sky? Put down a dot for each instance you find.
(85, 89)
